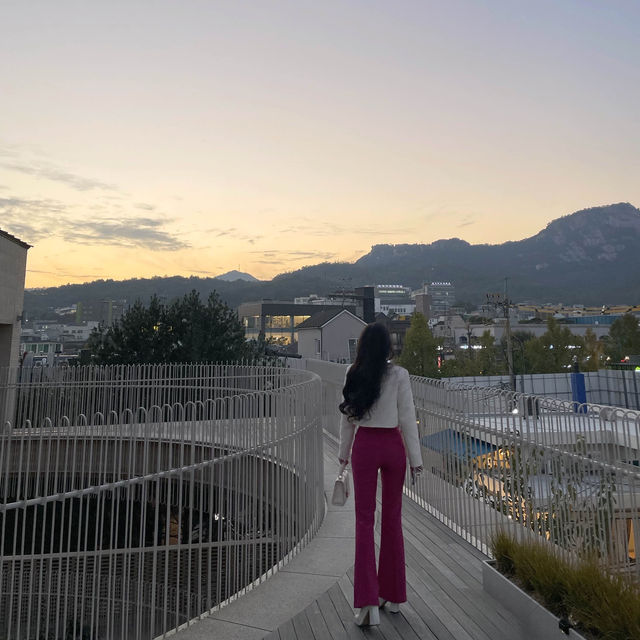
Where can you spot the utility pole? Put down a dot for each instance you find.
(501, 301)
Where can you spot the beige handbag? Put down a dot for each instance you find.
(341, 488)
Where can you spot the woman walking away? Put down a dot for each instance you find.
(378, 408)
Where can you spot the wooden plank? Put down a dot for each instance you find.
(467, 567)
(317, 623)
(442, 606)
(345, 612)
(346, 586)
(415, 622)
(427, 526)
(331, 617)
(463, 600)
(286, 631)
(413, 512)
(444, 587)
(302, 626)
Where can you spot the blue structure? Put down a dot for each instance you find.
(578, 392)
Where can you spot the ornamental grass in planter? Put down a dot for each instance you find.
(606, 606)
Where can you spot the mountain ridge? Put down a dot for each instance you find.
(589, 256)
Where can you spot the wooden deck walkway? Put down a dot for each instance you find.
(445, 596)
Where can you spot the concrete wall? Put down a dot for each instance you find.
(334, 337)
(13, 264)
(307, 342)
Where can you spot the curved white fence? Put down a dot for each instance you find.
(135, 499)
(541, 467)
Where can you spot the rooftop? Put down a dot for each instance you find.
(8, 236)
(321, 318)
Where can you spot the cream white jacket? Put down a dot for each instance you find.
(394, 408)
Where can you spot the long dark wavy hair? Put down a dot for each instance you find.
(364, 379)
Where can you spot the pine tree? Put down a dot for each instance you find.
(184, 331)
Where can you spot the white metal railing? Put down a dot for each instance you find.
(536, 465)
(163, 493)
(562, 472)
(606, 386)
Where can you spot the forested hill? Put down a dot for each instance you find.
(591, 257)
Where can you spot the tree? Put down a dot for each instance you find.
(624, 337)
(593, 353)
(185, 331)
(519, 340)
(472, 362)
(487, 355)
(553, 352)
(420, 351)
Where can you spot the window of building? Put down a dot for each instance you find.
(353, 347)
(298, 319)
(251, 322)
(317, 343)
(278, 336)
(278, 322)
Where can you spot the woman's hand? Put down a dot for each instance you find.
(343, 462)
(416, 471)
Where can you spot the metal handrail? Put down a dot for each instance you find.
(133, 521)
(565, 474)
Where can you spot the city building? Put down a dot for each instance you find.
(312, 298)
(398, 325)
(361, 298)
(41, 347)
(13, 266)
(442, 297)
(394, 299)
(330, 335)
(279, 319)
(106, 312)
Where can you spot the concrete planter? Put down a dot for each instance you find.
(539, 623)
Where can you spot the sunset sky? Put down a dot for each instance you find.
(157, 137)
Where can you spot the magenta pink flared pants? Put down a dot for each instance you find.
(376, 449)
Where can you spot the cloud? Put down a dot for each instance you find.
(467, 220)
(31, 219)
(204, 272)
(128, 232)
(275, 256)
(37, 219)
(40, 169)
(233, 232)
(64, 274)
(312, 226)
(145, 206)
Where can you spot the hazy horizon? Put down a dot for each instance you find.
(139, 139)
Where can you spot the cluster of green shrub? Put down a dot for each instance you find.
(552, 352)
(594, 601)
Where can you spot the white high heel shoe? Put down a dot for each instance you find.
(394, 607)
(368, 616)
